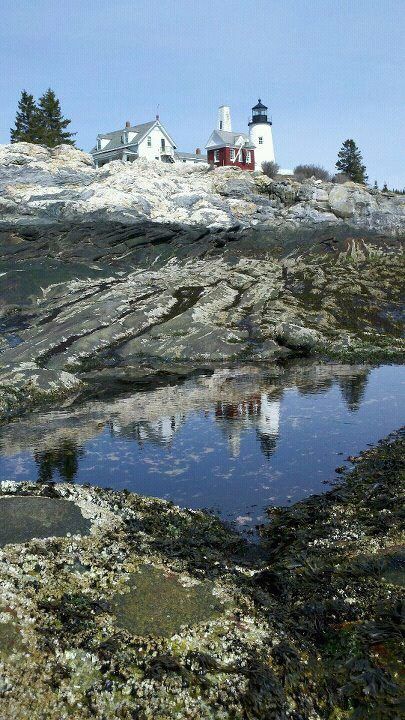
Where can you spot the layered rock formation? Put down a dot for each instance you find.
(135, 268)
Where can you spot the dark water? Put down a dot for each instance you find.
(234, 441)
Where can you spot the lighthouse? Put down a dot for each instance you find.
(261, 135)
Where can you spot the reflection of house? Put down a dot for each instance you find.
(258, 412)
(158, 432)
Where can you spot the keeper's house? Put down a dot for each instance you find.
(149, 140)
(227, 147)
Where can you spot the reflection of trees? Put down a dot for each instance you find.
(64, 459)
(353, 389)
(314, 386)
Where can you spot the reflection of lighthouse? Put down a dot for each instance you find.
(258, 412)
(268, 425)
(269, 420)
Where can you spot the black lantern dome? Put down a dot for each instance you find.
(259, 114)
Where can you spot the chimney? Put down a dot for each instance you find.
(157, 117)
(198, 151)
(127, 124)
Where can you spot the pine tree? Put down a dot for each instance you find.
(350, 162)
(53, 123)
(27, 121)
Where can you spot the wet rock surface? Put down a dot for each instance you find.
(158, 603)
(190, 299)
(23, 518)
(311, 620)
(10, 638)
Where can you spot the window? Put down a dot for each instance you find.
(248, 156)
(163, 143)
(99, 144)
(216, 155)
(220, 124)
(149, 141)
(232, 154)
(260, 141)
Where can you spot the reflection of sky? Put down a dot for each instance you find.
(238, 460)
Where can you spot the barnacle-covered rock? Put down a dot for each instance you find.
(305, 626)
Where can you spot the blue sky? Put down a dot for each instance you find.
(327, 70)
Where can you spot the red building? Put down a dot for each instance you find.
(226, 147)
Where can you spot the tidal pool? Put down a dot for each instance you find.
(158, 604)
(234, 440)
(23, 518)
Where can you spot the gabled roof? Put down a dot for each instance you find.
(140, 133)
(191, 156)
(221, 138)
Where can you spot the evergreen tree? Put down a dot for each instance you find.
(27, 121)
(53, 123)
(350, 162)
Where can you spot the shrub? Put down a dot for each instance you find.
(303, 172)
(340, 178)
(270, 169)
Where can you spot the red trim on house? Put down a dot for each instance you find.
(224, 158)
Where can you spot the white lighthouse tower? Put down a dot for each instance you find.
(261, 135)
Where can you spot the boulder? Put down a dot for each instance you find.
(296, 336)
(349, 199)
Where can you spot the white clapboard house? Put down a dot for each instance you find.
(149, 140)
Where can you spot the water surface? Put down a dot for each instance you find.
(236, 440)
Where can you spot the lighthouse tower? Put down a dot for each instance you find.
(261, 135)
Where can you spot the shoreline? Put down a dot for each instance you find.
(292, 609)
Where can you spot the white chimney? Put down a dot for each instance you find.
(224, 118)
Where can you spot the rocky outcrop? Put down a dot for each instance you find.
(204, 266)
(40, 185)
